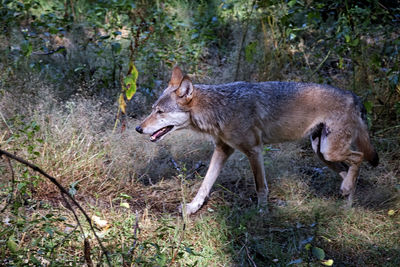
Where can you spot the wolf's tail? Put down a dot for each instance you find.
(364, 144)
(363, 141)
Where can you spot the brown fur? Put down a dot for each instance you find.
(245, 116)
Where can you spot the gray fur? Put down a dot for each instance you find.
(245, 116)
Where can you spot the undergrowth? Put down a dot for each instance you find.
(135, 187)
(60, 74)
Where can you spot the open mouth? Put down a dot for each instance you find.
(160, 133)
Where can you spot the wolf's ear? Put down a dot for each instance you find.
(185, 90)
(176, 77)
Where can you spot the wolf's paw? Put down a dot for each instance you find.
(262, 209)
(189, 208)
(262, 203)
(262, 206)
(346, 188)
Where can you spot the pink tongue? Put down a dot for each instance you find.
(157, 134)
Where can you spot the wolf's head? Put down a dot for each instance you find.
(171, 111)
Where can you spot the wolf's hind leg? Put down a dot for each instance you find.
(348, 185)
(221, 154)
(335, 148)
(257, 165)
(340, 168)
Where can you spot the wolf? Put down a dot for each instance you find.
(245, 116)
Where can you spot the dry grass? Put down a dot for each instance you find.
(109, 167)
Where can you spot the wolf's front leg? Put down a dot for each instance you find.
(221, 154)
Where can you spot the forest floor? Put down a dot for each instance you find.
(135, 187)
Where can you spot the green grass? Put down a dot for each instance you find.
(107, 169)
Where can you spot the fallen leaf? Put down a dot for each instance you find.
(319, 253)
(99, 222)
(124, 204)
(327, 262)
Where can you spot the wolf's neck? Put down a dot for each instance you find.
(208, 112)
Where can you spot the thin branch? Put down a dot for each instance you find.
(87, 250)
(135, 232)
(50, 52)
(320, 64)
(179, 245)
(63, 191)
(5, 122)
(244, 34)
(132, 249)
(248, 256)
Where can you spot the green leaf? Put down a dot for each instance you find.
(21, 185)
(53, 30)
(50, 231)
(123, 195)
(124, 204)
(12, 245)
(368, 106)
(319, 253)
(72, 188)
(26, 48)
(292, 3)
(355, 42)
(341, 63)
(250, 51)
(327, 262)
(130, 81)
(35, 261)
(190, 251)
(79, 68)
(295, 262)
(116, 47)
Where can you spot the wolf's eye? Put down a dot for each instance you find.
(159, 111)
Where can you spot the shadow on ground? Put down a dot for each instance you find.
(305, 208)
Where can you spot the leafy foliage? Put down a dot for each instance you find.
(122, 50)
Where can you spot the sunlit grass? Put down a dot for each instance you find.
(106, 169)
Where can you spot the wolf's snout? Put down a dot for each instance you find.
(139, 129)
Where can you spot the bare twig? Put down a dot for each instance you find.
(248, 256)
(132, 249)
(135, 232)
(5, 122)
(244, 34)
(192, 171)
(179, 245)
(176, 165)
(73, 10)
(196, 168)
(50, 52)
(87, 250)
(320, 64)
(64, 193)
